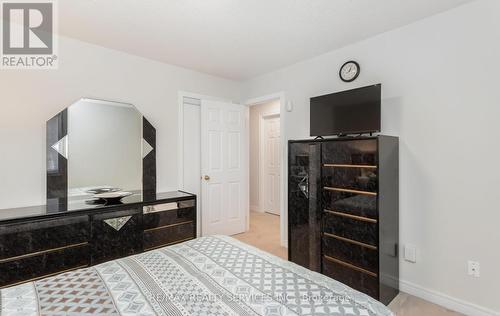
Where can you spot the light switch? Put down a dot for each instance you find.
(411, 253)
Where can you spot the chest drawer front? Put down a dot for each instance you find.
(115, 235)
(356, 279)
(364, 205)
(164, 236)
(357, 178)
(352, 152)
(19, 239)
(170, 217)
(43, 265)
(355, 254)
(359, 229)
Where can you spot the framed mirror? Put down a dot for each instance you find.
(95, 146)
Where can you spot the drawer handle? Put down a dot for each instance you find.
(359, 218)
(118, 223)
(350, 191)
(168, 226)
(348, 265)
(42, 252)
(331, 165)
(362, 244)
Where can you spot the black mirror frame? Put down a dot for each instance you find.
(57, 163)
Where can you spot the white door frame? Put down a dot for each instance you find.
(262, 172)
(284, 164)
(180, 144)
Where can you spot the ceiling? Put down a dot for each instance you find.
(236, 39)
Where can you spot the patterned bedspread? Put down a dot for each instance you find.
(214, 275)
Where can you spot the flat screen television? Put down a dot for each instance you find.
(348, 112)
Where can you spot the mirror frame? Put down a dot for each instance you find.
(57, 159)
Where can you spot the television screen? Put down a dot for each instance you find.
(347, 112)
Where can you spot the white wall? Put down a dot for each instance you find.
(442, 98)
(29, 98)
(256, 112)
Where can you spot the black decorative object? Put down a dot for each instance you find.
(149, 159)
(57, 162)
(346, 224)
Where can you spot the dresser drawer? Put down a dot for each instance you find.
(361, 229)
(364, 282)
(349, 177)
(358, 204)
(116, 234)
(163, 236)
(45, 264)
(164, 218)
(18, 239)
(352, 152)
(359, 255)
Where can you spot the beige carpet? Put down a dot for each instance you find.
(264, 234)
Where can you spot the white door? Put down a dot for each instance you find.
(224, 167)
(271, 164)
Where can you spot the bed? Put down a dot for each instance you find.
(214, 275)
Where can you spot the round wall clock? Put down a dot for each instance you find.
(349, 71)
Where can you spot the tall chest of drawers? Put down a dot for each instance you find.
(355, 201)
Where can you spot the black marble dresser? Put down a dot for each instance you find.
(40, 241)
(343, 212)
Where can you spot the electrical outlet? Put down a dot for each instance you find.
(410, 253)
(473, 268)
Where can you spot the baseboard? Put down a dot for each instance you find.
(446, 301)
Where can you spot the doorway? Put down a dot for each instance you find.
(192, 176)
(270, 147)
(265, 170)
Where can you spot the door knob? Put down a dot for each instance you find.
(206, 178)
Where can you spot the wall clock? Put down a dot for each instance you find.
(349, 71)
